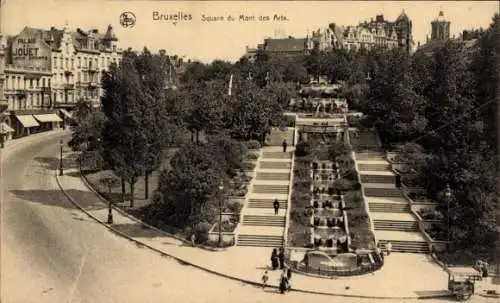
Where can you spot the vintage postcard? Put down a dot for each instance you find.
(249, 151)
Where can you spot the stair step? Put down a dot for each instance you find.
(377, 179)
(388, 207)
(274, 165)
(259, 240)
(277, 155)
(262, 203)
(270, 189)
(382, 192)
(395, 225)
(374, 166)
(407, 246)
(370, 156)
(272, 176)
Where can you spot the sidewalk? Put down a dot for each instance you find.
(15, 144)
(404, 276)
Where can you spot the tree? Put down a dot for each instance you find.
(159, 131)
(123, 137)
(88, 126)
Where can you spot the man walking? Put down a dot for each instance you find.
(276, 206)
(285, 144)
(398, 181)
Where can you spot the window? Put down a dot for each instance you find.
(79, 62)
(67, 63)
(79, 77)
(43, 82)
(102, 62)
(48, 82)
(61, 65)
(72, 63)
(31, 83)
(54, 62)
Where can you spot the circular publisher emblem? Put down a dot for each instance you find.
(127, 19)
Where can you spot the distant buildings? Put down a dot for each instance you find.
(377, 32)
(440, 35)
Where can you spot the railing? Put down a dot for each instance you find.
(69, 86)
(289, 201)
(12, 68)
(333, 271)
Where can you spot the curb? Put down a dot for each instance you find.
(185, 262)
(162, 253)
(124, 213)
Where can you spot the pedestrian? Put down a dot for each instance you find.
(281, 258)
(193, 239)
(398, 181)
(289, 274)
(276, 206)
(274, 259)
(285, 144)
(388, 247)
(283, 283)
(265, 278)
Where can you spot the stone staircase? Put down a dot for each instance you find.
(364, 140)
(259, 225)
(277, 136)
(390, 212)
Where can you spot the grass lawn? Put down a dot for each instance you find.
(299, 229)
(115, 195)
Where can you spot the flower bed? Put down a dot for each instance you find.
(299, 231)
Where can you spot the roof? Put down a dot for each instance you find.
(53, 36)
(286, 45)
(403, 17)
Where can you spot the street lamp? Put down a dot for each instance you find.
(447, 194)
(61, 172)
(221, 189)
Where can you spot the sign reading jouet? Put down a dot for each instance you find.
(28, 49)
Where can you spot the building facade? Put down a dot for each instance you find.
(377, 32)
(75, 59)
(440, 28)
(47, 72)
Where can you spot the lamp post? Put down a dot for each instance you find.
(61, 172)
(447, 195)
(221, 188)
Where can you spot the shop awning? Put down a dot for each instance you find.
(27, 120)
(48, 118)
(66, 113)
(4, 128)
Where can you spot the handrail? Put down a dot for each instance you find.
(289, 201)
(363, 196)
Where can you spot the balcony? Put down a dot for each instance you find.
(45, 89)
(93, 69)
(68, 73)
(68, 86)
(93, 84)
(20, 93)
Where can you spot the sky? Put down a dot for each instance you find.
(197, 39)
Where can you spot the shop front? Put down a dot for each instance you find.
(24, 125)
(48, 122)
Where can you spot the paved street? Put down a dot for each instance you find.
(51, 252)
